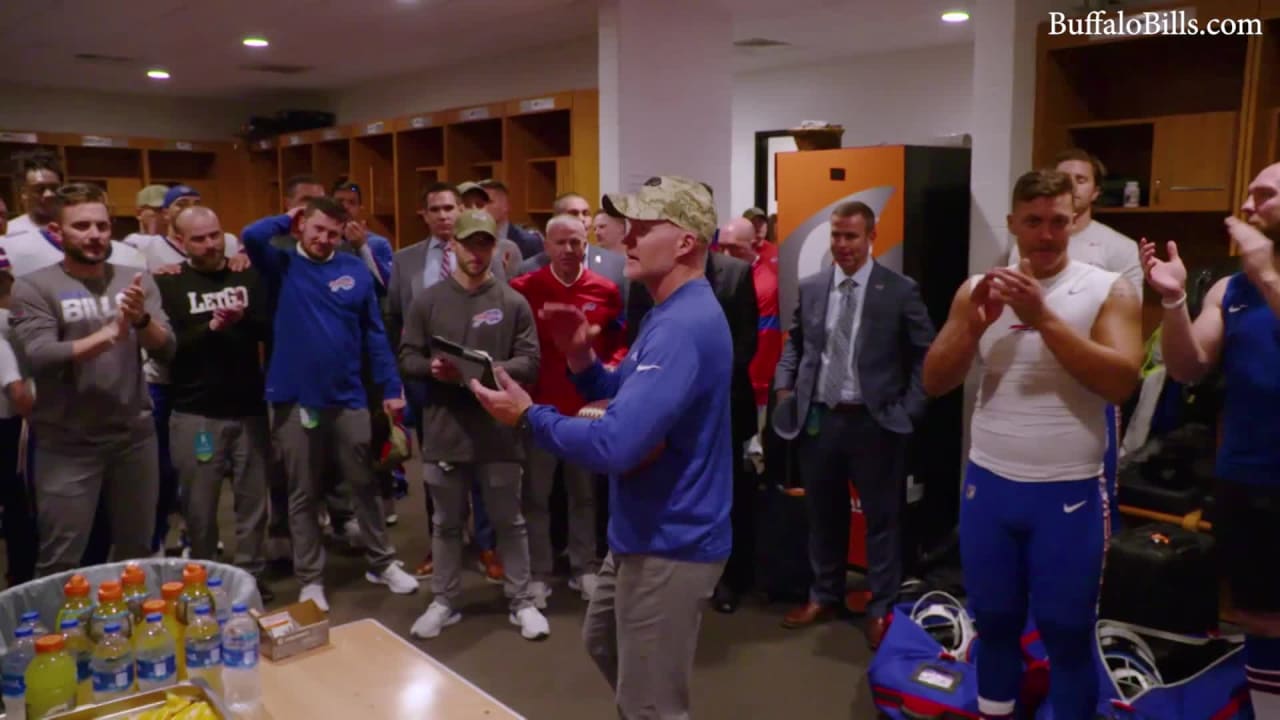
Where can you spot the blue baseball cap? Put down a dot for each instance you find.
(179, 191)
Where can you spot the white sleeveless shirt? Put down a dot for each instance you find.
(1032, 421)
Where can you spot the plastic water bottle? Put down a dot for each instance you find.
(31, 619)
(133, 583)
(157, 658)
(81, 650)
(13, 673)
(204, 648)
(221, 603)
(112, 665)
(241, 686)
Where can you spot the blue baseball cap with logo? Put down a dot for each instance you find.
(179, 191)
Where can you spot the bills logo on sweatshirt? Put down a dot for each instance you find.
(346, 282)
(588, 307)
(488, 317)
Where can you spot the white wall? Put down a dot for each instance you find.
(907, 97)
(507, 75)
(75, 111)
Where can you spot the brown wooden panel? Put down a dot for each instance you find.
(1193, 162)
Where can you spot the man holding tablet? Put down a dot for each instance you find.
(461, 444)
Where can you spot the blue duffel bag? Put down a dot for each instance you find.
(1147, 674)
(914, 677)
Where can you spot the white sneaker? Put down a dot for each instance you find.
(586, 584)
(315, 593)
(400, 582)
(540, 592)
(533, 626)
(351, 533)
(437, 617)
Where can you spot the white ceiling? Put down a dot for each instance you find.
(343, 42)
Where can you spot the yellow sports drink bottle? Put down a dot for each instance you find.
(51, 679)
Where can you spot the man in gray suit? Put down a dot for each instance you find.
(851, 375)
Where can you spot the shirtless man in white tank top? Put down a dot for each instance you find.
(1056, 340)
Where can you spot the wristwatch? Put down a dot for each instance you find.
(522, 422)
(143, 321)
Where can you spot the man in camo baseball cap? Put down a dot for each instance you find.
(677, 200)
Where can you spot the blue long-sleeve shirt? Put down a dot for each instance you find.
(326, 320)
(382, 254)
(672, 390)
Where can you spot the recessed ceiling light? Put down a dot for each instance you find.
(955, 16)
(255, 41)
(158, 74)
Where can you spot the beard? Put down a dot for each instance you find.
(81, 257)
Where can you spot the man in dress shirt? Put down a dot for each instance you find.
(851, 374)
(499, 206)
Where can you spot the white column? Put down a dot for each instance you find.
(1004, 86)
(666, 84)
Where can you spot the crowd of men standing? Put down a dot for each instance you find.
(183, 356)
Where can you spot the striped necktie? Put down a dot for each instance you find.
(840, 366)
(446, 262)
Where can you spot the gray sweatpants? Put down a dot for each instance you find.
(68, 482)
(450, 487)
(239, 451)
(580, 487)
(340, 440)
(641, 630)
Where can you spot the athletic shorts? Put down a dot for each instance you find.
(1246, 529)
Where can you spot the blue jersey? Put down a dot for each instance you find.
(671, 391)
(1250, 451)
(326, 320)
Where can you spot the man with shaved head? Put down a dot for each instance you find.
(219, 423)
(1236, 328)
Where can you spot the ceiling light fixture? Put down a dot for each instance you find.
(158, 74)
(955, 16)
(255, 41)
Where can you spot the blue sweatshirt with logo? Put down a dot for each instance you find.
(670, 393)
(326, 320)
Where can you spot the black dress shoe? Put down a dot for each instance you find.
(724, 600)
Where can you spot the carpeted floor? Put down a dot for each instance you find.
(747, 666)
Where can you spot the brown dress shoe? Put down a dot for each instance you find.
(875, 630)
(424, 571)
(808, 614)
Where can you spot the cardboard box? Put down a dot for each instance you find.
(295, 629)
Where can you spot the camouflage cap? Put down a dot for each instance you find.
(475, 221)
(677, 200)
(152, 196)
(470, 187)
(752, 213)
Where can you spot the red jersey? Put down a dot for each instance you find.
(768, 253)
(769, 338)
(601, 301)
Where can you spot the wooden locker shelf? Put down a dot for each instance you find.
(551, 138)
(1174, 112)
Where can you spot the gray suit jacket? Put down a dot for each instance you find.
(407, 266)
(608, 263)
(893, 337)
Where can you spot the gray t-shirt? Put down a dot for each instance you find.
(91, 401)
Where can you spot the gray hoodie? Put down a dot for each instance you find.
(94, 401)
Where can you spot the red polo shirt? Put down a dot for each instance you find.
(600, 300)
(769, 338)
